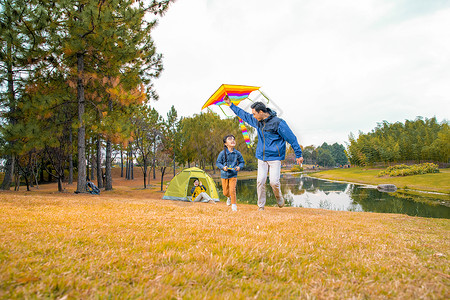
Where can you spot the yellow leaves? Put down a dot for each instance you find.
(118, 139)
(67, 50)
(31, 88)
(127, 97)
(115, 82)
(72, 83)
(48, 115)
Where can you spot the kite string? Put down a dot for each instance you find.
(264, 95)
(220, 106)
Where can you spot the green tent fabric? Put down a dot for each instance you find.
(180, 186)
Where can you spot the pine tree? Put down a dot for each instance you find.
(106, 42)
(21, 40)
(172, 135)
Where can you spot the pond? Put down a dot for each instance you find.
(304, 191)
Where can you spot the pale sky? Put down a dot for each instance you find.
(330, 67)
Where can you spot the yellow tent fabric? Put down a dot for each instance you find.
(180, 186)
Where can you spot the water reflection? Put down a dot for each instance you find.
(303, 191)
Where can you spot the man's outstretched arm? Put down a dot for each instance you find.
(245, 116)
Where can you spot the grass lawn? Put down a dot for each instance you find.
(437, 182)
(129, 244)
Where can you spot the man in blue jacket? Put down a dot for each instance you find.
(273, 133)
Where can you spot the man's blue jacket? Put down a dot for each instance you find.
(273, 133)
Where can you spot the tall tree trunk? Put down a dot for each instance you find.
(174, 164)
(145, 173)
(127, 168)
(41, 177)
(16, 179)
(92, 160)
(60, 188)
(88, 166)
(163, 170)
(35, 172)
(25, 176)
(154, 159)
(108, 163)
(131, 164)
(70, 156)
(9, 172)
(154, 168)
(29, 168)
(36, 179)
(121, 163)
(108, 175)
(81, 181)
(99, 163)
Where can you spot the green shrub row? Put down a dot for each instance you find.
(405, 170)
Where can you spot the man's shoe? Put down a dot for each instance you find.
(228, 201)
(234, 207)
(280, 203)
(261, 208)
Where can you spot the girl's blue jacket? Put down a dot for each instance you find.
(273, 133)
(234, 159)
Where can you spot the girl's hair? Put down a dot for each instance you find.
(225, 147)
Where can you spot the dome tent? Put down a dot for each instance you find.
(179, 187)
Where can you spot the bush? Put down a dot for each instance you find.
(251, 166)
(296, 168)
(405, 170)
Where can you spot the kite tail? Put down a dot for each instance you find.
(244, 132)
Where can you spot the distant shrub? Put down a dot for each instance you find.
(250, 166)
(405, 170)
(296, 168)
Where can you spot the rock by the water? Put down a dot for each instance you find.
(386, 188)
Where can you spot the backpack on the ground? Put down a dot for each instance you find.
(92, 188)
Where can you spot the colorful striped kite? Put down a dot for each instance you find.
(244, 132)
(236, 93)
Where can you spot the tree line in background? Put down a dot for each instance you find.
(73, 75)
(325, 155)
(418, 140)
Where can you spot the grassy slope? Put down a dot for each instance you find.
(438, 182)
(124, 245)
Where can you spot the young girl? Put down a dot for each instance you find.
(198, 192)
(229, 161)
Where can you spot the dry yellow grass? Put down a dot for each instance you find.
(119, 246)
